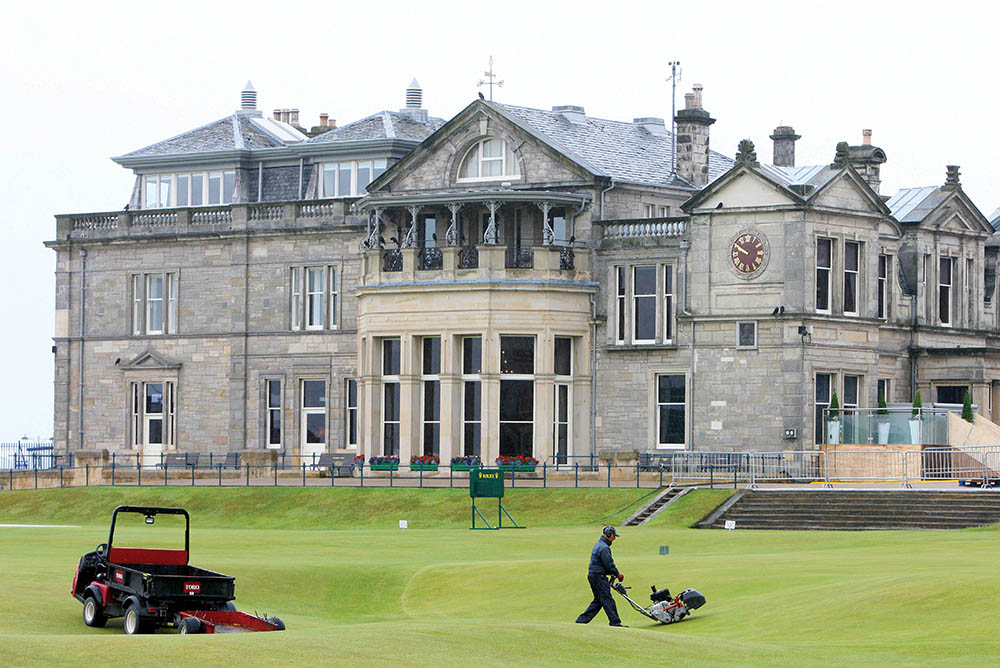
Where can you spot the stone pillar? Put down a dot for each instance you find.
(409, 399)
(693, 123)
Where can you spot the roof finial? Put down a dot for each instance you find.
(842, 157)
(488, 81)
(951, 181)
(746, 154)
(248, 97)
(414, 95)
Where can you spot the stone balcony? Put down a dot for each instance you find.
(475, 263)
(256, 216)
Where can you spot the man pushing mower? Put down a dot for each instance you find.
(601, 566)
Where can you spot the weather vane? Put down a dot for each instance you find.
(675, 76)
(488, 81)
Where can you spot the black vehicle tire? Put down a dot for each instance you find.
(134, 622)
(93, 613)
(230, 606)
(277, 622)
(189, 625)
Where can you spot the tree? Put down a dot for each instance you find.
(883, 409)
(917, 404)
(834, 407)
(967, 407)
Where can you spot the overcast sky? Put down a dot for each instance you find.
(86, 81)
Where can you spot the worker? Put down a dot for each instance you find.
(601, 566)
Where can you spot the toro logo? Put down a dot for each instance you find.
(119, 576)
(192, 587)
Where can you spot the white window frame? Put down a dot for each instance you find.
(502, 159)
(669, 286)
(534, 391)
(303, 297)
(142, 305)
(391, 379)
(825, 277)
(945, 290)
(969, 288)
(425, 378)
(649, 211)
(467, 448)
(139, 418)
(657, 404)
(621, 303)
(565, 382)
(855, 248)
(635, 304)
(171, 182)
(882, 298)
(351, 414)
(305, 411)
(273, 414)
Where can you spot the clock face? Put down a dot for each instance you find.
(748, 253)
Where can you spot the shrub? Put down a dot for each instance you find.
(834, 407)
(917, 404)
(967, 407)
(883, 409)
(384, 459)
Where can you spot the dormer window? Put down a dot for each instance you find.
(489, 159)
(192, 189)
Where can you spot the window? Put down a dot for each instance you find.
(351, 419)
(152, 417)
(648, 210)
(823, 384)
(747, 335)
(314, 296)
(663, 211)
(882, 390)
(644, 304)
(622, 290)
(562, 399)
(668, 303)
(560, 227)
(313, 437)
(349, 179)
(851, 278)
(670, 410)
(517, 400)
(431, 370)
(188, 189)
(272, 390)
(472, 401)
(824, 256)
(390, 396)
(489, 159)
(944, 291)
(951, 394)
(154, 304)
(884, 264)
(970, 292)
(852, 399)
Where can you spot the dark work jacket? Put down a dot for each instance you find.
(601, 562)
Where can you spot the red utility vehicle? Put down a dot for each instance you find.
(152, 587)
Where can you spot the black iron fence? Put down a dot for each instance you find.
(23, 455)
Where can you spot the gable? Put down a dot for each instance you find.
(845, 193)
(959, 215)
(150, 359)
(434, 165)
(745, 190)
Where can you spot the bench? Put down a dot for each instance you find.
(340, 464)
(175, 460)
(232, 461)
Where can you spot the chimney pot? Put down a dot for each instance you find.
(324, 120)
(867, 137)
(284, 115)
(689, 101)
(333, 122)
(784, 139)
(293, 117)
(277, 114)
(697, 88)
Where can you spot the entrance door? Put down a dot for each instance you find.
(153, 427)
(313, 436)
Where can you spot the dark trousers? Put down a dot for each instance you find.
(602, 599)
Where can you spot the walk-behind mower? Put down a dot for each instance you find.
(665, 609)
(152, 587)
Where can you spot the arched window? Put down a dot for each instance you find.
(489, 159)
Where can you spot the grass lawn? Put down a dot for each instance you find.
(354, 590)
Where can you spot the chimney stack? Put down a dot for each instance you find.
(867, 137)
(277, 114)
(784, 139)
(693, 123)
(284, 115)
(293, 117)
(324, 120)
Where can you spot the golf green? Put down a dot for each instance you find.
(355, 590)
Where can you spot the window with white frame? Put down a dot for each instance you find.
(562, 434)
(154, 304)
(351, 418)
(882, 390)
(621, 281)
(644, 304)
(648, 210)
(472, 395)
(152, 415)
(671, 406)
(391, 359)
(851, 257)
(313, 415)
(824, 384)
(663, 211)
(517, 395)
(747, 335)
(349, 178)
(969, 285)
(944, 290)
(668, 303)
(824, 265)
(489, 159)
(272, 398)
(188, 189)
(314, 297)
(884, 266)
(431, 378)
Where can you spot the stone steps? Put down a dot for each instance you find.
(662, 500)
(857, 510)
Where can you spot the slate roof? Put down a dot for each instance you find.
(911, 205)
(235, 132)
(813, 175)
(382, 125)
(995, 219)
(624, 151)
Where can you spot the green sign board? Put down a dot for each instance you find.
(486, 484)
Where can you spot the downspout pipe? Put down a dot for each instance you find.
(602, 197)
(593, 374)
(83, 323)
(685, 246)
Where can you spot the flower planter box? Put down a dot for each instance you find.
(423, 467)
(465, 467)
(517, 468)
(384, 467)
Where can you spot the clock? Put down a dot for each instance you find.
(748, 253)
